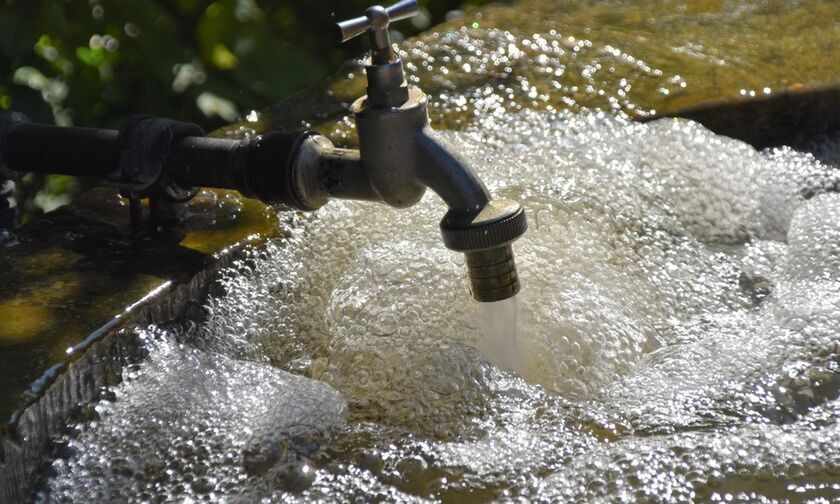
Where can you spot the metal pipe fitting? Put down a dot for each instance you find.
(486, 243)
(492, 273)
(301, 170)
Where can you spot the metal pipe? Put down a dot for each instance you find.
(259, 167)
(204, 162)
(321, 171)
(85, 152)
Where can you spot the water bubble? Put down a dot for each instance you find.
(294, 477)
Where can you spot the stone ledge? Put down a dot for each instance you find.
(77, 269)
(100, 279)
(785, 117)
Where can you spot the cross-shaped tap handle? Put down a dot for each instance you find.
(377, 19)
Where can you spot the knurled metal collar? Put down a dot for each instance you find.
(499, 222)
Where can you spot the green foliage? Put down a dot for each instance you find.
(96, 62)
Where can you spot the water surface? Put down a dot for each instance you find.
(678, 327)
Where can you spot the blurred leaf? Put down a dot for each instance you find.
(222, 58)
(91, 57)
(212, 105)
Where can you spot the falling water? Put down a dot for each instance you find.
(499, 342)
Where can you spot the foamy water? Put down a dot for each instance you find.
(677, 335)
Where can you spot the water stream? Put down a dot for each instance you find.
(499, 340)
(677, 339)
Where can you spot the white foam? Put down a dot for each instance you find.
(187, 424)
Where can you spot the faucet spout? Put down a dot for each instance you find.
(442, 169)
(475, 224)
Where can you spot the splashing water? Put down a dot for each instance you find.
(677, 327)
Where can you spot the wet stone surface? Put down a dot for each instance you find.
(77, 268)
(634, 57)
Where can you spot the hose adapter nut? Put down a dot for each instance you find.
(500, 222)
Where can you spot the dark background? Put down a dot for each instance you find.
(96, 62)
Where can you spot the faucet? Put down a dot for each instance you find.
(399, 156)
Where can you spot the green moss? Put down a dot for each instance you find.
(629, 57)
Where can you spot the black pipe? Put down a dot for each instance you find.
(258, 167)
(85, 152)
(262, 167)
(204, 162)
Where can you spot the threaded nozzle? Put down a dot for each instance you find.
(486, 241)
(492, 273)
